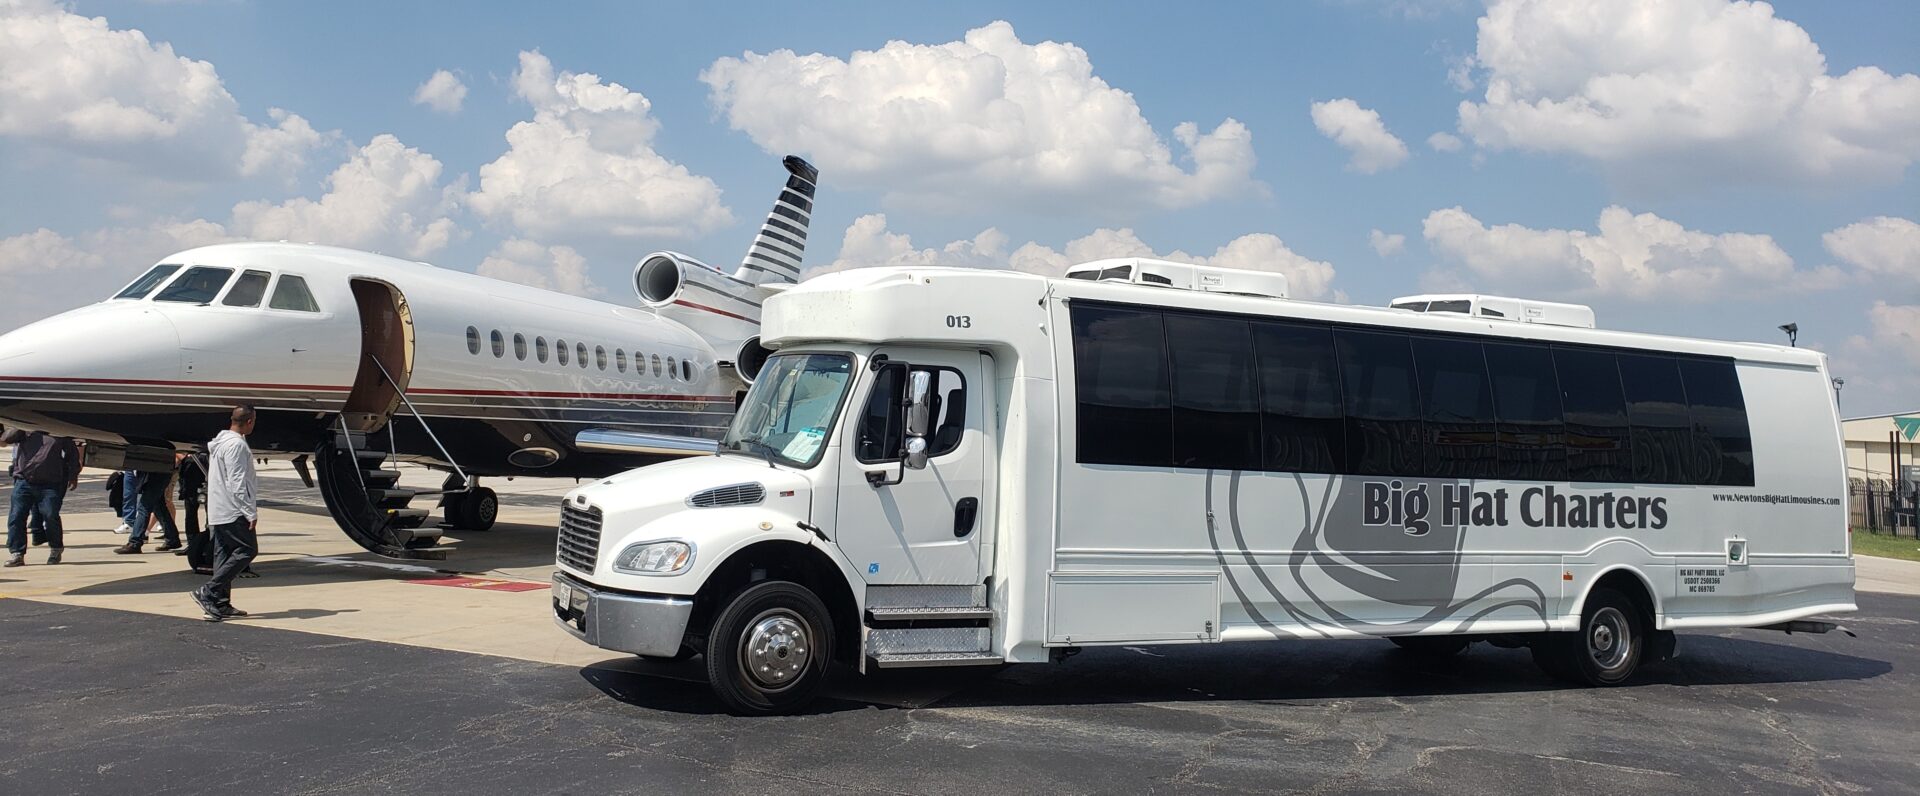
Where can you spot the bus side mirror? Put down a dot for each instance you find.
(919, 415)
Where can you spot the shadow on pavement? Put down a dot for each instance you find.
(1277, 672)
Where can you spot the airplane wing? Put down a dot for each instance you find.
(616, 441)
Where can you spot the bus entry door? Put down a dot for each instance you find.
(900, 525)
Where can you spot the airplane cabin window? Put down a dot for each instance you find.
(600, 357)
(560, 351)
(656, 365)
(519, 346)
(620, 360)
(147, 282)
(473, 341)
(672, 372)
(499, 344)
(540, 349)
(686, 370)
(291, 294)
(197, 286)
(581, 350)
(248, 290)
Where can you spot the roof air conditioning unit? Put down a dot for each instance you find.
(1501, 308)
(1183, 276)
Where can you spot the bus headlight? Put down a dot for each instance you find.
(654, 558)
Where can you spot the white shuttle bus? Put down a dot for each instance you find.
(944, 467)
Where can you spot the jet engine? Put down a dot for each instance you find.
(718, 307)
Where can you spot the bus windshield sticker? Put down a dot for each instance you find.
(803, 444)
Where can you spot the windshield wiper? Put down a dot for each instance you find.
(765, 451)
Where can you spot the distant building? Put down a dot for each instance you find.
(1872, 443)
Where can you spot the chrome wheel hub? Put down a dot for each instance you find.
(1609, 639)
(776, 649)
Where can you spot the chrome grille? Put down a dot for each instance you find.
(579, 545)
(730, 495)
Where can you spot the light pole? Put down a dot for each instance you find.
(1838, 382)
(1793, 333)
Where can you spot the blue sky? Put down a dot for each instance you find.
(1759, 159)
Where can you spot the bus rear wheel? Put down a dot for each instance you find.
(1607, 649)
(769, 649)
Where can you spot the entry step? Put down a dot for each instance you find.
(909, 660)
(924, 613)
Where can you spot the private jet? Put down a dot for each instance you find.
(357, 360)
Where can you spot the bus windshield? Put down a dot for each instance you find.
(790, 410)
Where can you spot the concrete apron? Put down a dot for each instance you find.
(314, 580)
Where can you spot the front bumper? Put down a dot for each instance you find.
(653, 625)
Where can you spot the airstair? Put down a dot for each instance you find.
(363, 492)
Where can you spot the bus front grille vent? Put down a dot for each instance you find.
(579, 545)
(730, 495)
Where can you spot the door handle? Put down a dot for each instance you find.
(963, 516)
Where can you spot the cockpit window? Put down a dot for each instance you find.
(291, 294)
(248, 290)
(147, 282)
(197, 286)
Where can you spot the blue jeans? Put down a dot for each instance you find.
(153, 503)
(129, 495)
(34, 499)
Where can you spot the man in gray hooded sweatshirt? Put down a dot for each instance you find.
(233, 514)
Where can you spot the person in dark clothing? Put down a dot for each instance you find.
(193, 486)
(153, 503)
(44, 468)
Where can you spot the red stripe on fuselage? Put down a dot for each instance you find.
(686, 303)
(613, 396)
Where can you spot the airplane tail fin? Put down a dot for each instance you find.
(774, 257)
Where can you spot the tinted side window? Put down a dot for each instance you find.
(1719, 414)
(877, 438)
(291, 293)
(1657, 411)
(1599, 447)
(1120, 378)
(1526, 401)
(1382, 403)
(1303, 427)
(1458, 404)
(196, 286)
(1216, 411)
(248, 290)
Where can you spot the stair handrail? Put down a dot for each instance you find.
(423, 425)
(346, 438)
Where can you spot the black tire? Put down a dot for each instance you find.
(454, 506)
(794, 637)
(1606, 651)
(1432, 646)
(482, 509)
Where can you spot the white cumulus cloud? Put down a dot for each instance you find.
(868, 242)
(987, 119)
(387, 197)
(528, 262)
(1444, 142)
(44, 272)
(1640, 256)
(1672, 92)
(443, 92)
(585, 166)
(1359, 130)
(73, 83)
(1386, 245)
(1880, 247)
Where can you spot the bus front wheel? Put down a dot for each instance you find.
(1607, 649)
(769, 649)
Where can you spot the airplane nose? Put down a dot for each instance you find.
(103, 342)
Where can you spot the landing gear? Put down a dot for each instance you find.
(769, 649)
(473, 510)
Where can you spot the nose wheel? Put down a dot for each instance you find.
(474, 510)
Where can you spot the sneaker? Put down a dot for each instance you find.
(16, 560)
(168, 547)
(124, 529)
(210, 611)
(230, 612)
(129, 548)
(53, 556)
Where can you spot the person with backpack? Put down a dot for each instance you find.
(44, 467)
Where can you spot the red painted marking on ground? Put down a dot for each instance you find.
(483, 584)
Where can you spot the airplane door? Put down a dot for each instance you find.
(926, 528)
